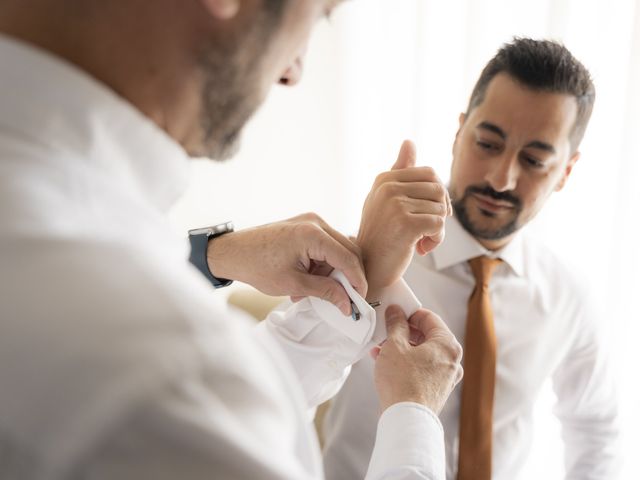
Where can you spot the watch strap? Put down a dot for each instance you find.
(198, 258)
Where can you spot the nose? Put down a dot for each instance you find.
(293, 74)
(503, 175)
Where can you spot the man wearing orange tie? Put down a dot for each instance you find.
(522, 316)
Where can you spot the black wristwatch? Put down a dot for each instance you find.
(199, 239)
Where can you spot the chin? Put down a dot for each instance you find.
(217, 149)
(226, 151)
(484, 225)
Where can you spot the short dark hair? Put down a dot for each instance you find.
(543, 65)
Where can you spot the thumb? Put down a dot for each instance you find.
(396, 322)
(326, 288)
(406, 157)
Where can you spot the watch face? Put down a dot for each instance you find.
(214, 230)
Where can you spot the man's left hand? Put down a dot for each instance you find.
(405, 209)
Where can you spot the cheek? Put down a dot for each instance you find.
(467, 170)
(296, 29)
(534, 195)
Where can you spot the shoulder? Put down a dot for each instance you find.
(90, 330)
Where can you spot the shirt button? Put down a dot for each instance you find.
(333, 364)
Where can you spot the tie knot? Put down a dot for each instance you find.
(482, 268)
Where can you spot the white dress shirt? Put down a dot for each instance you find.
(117, 358)
(546, 326)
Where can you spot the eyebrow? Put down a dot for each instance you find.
(492, 128)
(538, 144)
(541, 146)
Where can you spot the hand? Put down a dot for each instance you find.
(419, 362)
(406, 208)
(292, 258)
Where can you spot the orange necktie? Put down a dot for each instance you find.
(479, 361)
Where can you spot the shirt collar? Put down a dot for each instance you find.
(459, 247)
(50, 102)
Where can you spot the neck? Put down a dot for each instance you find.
(494, 245)
(83, 34)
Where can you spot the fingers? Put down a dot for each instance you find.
(406, 157)
(428, 323)
(423, 184)
(375, 351)
(424, 224)
(396, 323)
(428, 244)
(433, 328)
(345, 241)
(404, 170)
(426, 207)
(326, 245)
(409, 174)
(322, 287)
(416, 337)
(433, 191)
(349, 264)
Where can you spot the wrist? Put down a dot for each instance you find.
(220, 256)
(374, 288)
(418, 399)
(398, 293)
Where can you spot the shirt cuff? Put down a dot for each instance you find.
(369, 329)
(410, 439)
(397, 294)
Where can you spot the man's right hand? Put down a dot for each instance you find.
(292, 257)
(419, 362)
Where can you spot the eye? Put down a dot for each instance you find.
(532, 161)
(488, 146)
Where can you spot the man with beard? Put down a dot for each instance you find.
(522, 316)
(117, 360)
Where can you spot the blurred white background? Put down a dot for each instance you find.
(384, 70)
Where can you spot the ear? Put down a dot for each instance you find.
(461, 119)
(567, 171)
(222, 9)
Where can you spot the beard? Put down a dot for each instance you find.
(231, 93)
(492, 230)
(233, 86)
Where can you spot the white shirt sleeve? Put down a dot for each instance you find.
(188, 433)
(322, 344)
(320, 355)
(409, 445)
(410, 439)
(587, 405)
(244, 421)
(191, 433)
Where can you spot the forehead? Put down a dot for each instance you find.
(525, 114)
